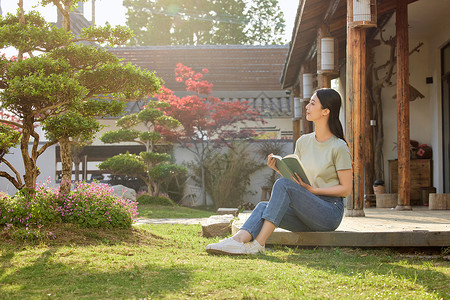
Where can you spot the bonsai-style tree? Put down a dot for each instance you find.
(152, 167)
(207, 122)
(62, 88)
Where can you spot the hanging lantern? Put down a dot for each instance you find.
(307, 85)
(297, 108)
(327, 59)
(363, 13)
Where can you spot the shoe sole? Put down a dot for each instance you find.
(221, 252)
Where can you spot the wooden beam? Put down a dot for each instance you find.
(403, 138)
(355, 99)
(332, 7)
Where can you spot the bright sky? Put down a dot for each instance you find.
(113, 12)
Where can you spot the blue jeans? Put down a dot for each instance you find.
(294, 208)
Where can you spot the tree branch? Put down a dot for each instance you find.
(45, 146)
(16, 182)
(11, 123)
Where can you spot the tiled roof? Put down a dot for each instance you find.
(269, 107)
(231, 67)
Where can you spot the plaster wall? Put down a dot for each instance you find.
(437, 40)
(46, 164)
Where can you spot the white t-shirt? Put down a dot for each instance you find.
(323, 160)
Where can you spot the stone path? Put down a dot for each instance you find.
(184, 221)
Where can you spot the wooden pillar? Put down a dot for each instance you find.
(403, 139)
(296, 122)
(355, 100)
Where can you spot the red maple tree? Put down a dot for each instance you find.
(207, 122)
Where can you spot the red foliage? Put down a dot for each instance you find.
(205, 118)
(6, 116)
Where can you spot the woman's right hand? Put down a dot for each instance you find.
(271, 162)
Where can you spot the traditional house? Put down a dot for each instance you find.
(391, 61)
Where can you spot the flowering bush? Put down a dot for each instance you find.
(89, 205)
(93, 205)
(24, 210)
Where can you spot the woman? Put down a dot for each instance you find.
(295, 205)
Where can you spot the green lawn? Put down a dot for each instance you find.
(149, 211)
(169, 262)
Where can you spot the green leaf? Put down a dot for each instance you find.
(124, 164)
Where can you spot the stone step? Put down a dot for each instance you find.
(217, 225)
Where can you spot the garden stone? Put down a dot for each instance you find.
(226, 211)
(124, 192)
(217, 225)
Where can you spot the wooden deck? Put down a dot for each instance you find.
(381, 227)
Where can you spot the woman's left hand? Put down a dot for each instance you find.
(299, 181)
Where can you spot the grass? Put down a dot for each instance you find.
(150, 211)
(169, 262)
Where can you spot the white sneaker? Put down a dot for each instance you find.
(227, 246)
(255, 248)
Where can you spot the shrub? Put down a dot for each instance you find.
(175, 187)
(28, 210)
(89, 205)
(93, 205)
(228, 175)
(155, 200)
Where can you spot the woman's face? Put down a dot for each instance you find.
(314, 110)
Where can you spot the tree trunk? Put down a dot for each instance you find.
(156, 189)
(66, 16)
(31, 170)
(204, 186)
(66, 161)
(76, 161)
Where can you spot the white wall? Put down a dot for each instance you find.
(46, 164)
(437, 40)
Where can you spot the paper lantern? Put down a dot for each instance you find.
(307, 85)
(327, 58)
(297, 108)
(363, 13)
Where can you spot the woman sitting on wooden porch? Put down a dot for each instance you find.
(295, 205)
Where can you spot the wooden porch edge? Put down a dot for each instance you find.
(362, 239)
(415, 238)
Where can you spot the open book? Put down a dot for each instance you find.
(289, 165)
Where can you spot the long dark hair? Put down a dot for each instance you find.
(331, 99)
